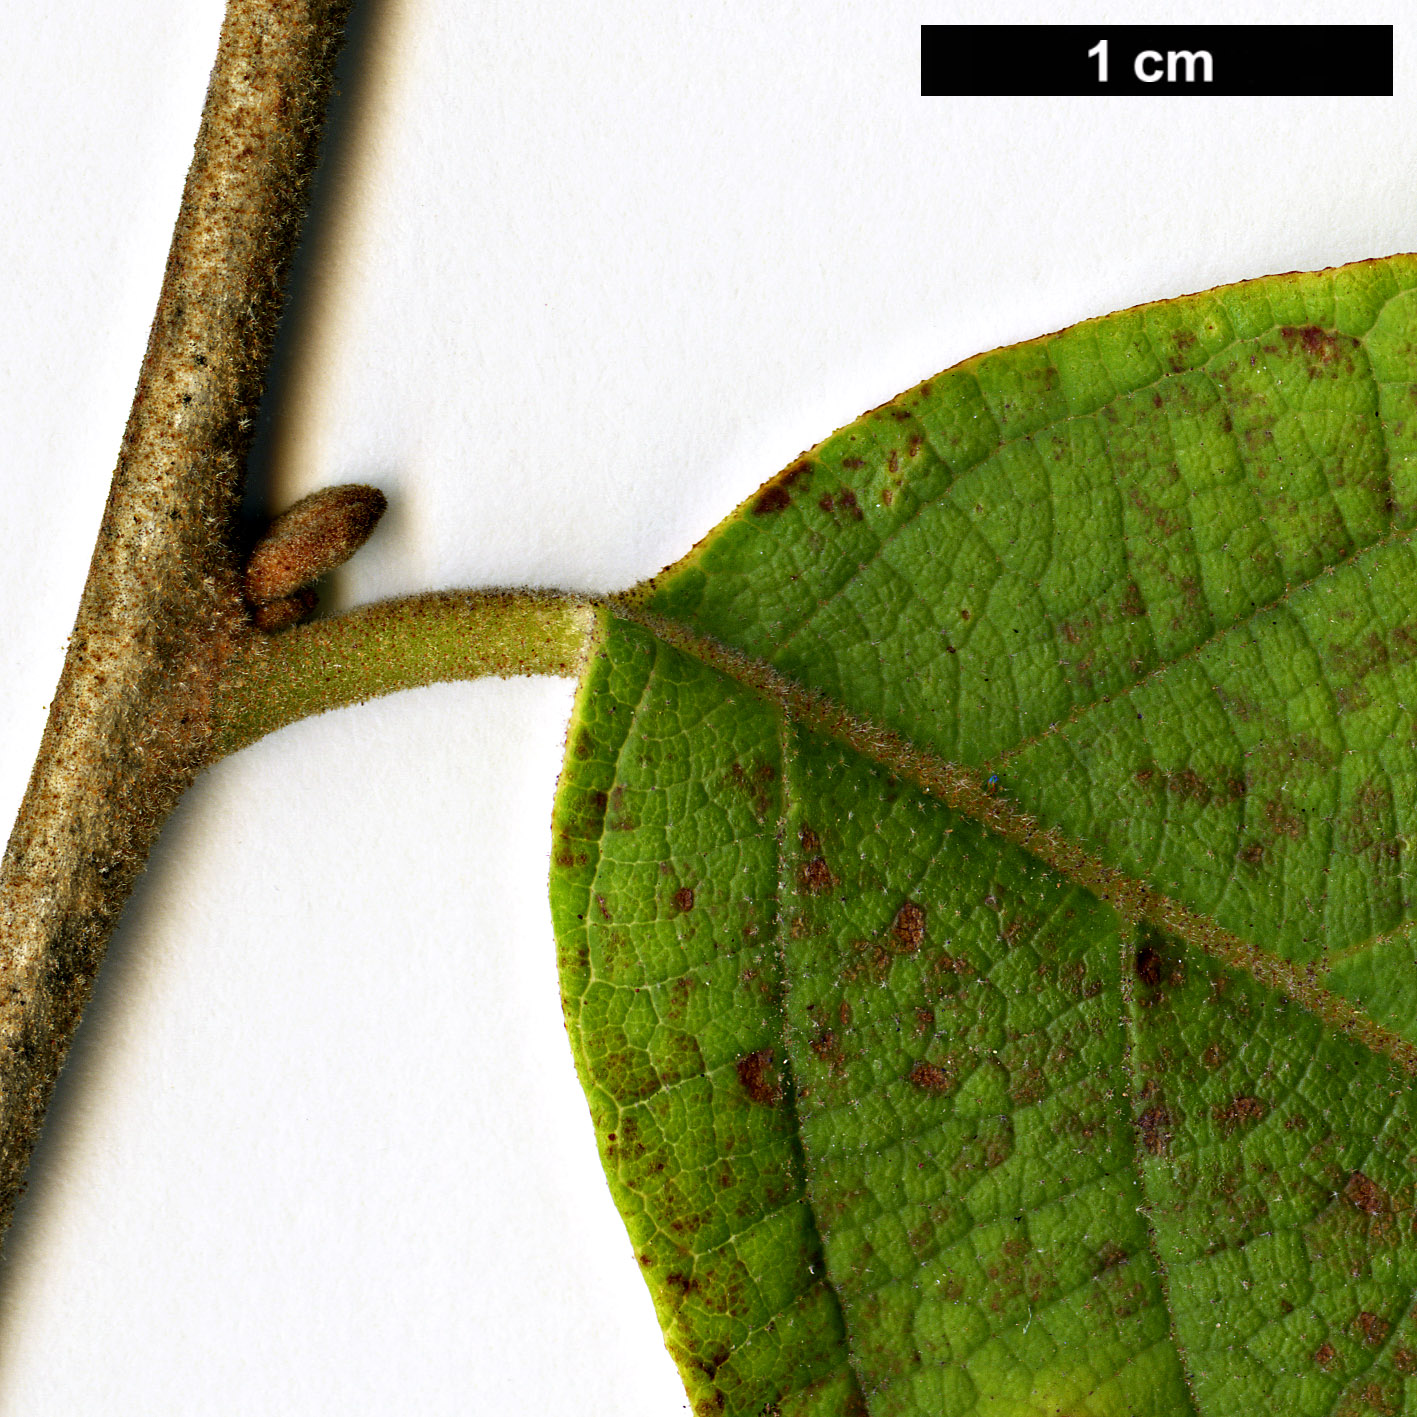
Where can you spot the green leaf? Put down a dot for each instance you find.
(983, 885)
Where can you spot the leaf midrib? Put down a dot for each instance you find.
(964, 790)
(626, 602)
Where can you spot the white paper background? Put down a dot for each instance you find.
(582, 277)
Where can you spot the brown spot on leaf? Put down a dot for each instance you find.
(908, 927)
(998, 1144)
(1363, 1193)
(778, 493)
(855, 1404)
(1325, 1356)
(1165, 523)
(1237, 706)
(826, 1047)
(1027, 1085)
(814, 875)
(1405, 1361)
(1284, 820)
(1364, 825)
(875, 962)
(1371, 1328)
(1109, 1257)
(1313, 340)
(1154, 1127)
(1238, 1112)
(1148, 966)
(929, 1077)
(1157, 967)
(684, 898)
(761, 1080)
(1187, 783)
(755, 786)
(772, 498)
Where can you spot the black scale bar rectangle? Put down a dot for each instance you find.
(1260, 61)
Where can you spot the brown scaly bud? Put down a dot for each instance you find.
(289, 610)
(314, 536)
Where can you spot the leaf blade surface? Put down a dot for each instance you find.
(1067, 680)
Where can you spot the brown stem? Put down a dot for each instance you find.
(131, 720)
